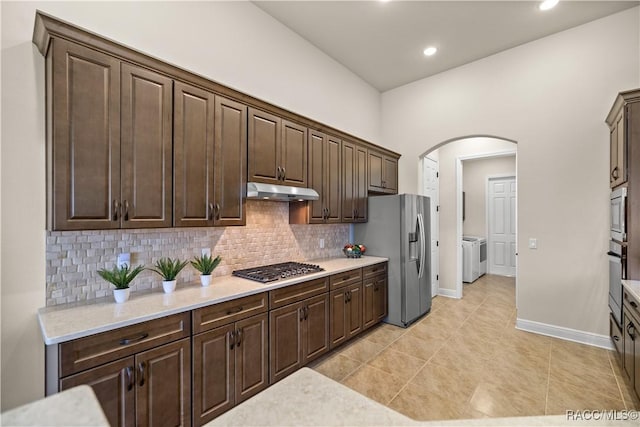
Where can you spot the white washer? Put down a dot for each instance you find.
(470, 259)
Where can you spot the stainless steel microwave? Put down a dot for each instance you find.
(619, 215)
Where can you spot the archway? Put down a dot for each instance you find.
(451, 156)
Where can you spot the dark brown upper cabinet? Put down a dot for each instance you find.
(110, 155)
(354, 182)
(383, 173)
(146, 145)
(324, 177)
(210, 141)
(277, 150)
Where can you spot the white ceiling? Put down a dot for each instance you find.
(382, 42)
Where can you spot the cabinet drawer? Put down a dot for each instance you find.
(216, 315)
(94, 350)
(346, 278)
(294, 293)
(631, 302)
(374, 270)
(616, 335)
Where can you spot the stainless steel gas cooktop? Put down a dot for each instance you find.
(273, 272)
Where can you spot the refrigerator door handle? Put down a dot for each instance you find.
(422, 245)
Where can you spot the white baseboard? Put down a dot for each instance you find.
(568, 334)
(449, 293)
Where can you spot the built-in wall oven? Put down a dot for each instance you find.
(618, 214)
(617, 272)
(617, 251)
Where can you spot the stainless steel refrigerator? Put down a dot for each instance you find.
(397, 229)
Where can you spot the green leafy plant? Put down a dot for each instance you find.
(168, 268)
(205, 264)
(120, 277)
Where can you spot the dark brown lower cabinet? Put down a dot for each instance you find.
(229, 365)
(149, 389)
(299, 333)
(374, 301)
(346, 313)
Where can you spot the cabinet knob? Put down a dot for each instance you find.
(129, 371)
(217, 210)
(279, 174)
(210, 211)
(238, 337)
(284, 174)
(232, 339)
(614, 173)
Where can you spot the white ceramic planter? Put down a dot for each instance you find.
(205, 279)
(121, 295)
(169, 286)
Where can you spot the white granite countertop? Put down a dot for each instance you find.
(307, 398)
(76, 406)
(633, 286)
(76, 320)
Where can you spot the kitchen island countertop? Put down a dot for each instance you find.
(77, 406)
(66, 322)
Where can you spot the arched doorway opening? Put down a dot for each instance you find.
(460, 207)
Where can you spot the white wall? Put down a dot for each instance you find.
(236, 44)
(475, 174)
(551, 96)
(447, 158)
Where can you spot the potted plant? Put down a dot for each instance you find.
(205, 265)
(169, 269)
(120, 277)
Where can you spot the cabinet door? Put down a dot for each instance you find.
(315, 333)
(213, 371)
(349, 181)
(333, 179)
(252, 357)
(376, 166)
(285, 345)
(84, 161)
(163, 392)
(193, 156)
(628, 330)
(361, 186)
(618, 151)
(293, 154)
(368, 303)
(636, 365)
(264, 145)
(113, 385)
(146, 148)
(317, 175)
(230, 162)
(380, 298)
(338, 317)
(614, 170)
(354, 312)
(390, 175)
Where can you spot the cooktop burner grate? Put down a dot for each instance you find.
(273, 272)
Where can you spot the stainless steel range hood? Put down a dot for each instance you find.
(283, 193)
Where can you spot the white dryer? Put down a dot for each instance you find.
(474, 258)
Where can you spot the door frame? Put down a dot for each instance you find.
(489, 179)
(459, 168)
(435, 287)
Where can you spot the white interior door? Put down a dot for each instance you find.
(431, 190)
(501, 200)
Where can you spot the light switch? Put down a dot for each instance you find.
(206, 252)
(533, 243)
(321, 243)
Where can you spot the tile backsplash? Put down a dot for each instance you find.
(74, 257)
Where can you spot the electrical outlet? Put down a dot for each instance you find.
(206, 251)
(321, 243)
(533, 243)
(123, 259)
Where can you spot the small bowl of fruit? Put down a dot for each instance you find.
(354, 250)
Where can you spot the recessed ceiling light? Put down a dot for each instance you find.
(548, 4)
(430, 51)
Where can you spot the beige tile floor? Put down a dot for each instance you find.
(466, 360)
